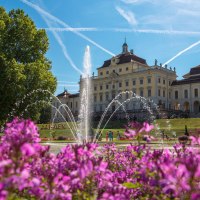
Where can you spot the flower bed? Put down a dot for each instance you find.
(29, 171)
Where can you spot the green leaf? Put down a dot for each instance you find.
(130, 185)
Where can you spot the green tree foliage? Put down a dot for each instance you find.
(45, 115)
(23, 66)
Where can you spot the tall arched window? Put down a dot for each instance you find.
(176, 94)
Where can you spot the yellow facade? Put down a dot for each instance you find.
(127, 72)
(157, 85)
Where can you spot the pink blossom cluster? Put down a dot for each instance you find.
(137, 130)
(29, 171)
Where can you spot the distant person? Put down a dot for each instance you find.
(118, 135)
(106, 136)
(110, 136)
(163, 134)
(98, 136)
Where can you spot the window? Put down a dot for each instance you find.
(149, 80)
(134, 91)
(169, 95)
(113, 86)
(159, 92)
(71, 104)
(186, 94)
(107, 97)
(134, 82)
(95, 98)
(127, 83)
(163, 93)
(101, 97)
(141, 81)
(101, 73)
(127, 69)
(107, 86)
(141, 93)
(95, 88)
(149, 92)
(158, 80)
(169, 82)
(120, 70)
(176, 94)
(120, 84)
(101, 87)
(113, 70)
(76, 104)
(163, 81)
(127, 95)
(196, 93)
(107, 72)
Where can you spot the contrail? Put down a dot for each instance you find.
(157, 31)
(181, 52)
(82, 29)
(124, 30)
(43, 12)
(60, 42)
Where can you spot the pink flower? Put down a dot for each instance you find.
(130, 133)
(146, 127)
(27, 149)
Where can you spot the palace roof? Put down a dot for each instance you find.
(195, 70)
(125, 58)
(65, 93)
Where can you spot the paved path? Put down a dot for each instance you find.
(55, 147)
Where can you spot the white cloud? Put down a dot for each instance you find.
(130, 1)
(138, 1)
(128, 15)
(189, 12)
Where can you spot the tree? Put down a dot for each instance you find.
(23, 67)
(45, 115)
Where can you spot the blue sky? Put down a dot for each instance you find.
(155, 29)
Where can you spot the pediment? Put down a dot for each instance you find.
(113, 75)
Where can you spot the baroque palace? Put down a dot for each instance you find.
(128, 72)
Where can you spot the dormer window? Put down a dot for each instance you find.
(113, 61)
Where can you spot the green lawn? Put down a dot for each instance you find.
(177, 125)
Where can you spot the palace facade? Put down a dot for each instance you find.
(128, 72)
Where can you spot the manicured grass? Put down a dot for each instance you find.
(177, 125)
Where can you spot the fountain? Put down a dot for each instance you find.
(81, 129)
(84, 132)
